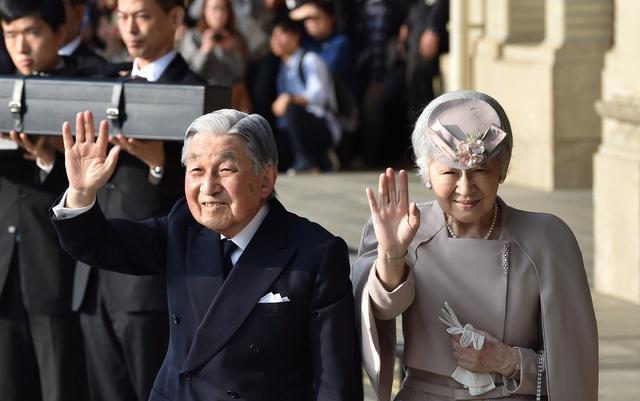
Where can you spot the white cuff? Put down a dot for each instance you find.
(45, 167)
(61, 212)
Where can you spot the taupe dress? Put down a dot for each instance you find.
(528, 289)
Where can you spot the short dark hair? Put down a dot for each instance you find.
(168, 5)
(288, 25)
(50, 11)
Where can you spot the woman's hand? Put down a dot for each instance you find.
(395, 223)
(494, 357)
(86, 161)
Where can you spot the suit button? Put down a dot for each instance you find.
(233, 394)
(175, 319)
(11, 229)
(187, 377)
(254, 348)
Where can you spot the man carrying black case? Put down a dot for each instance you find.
(124, 318)
(40, 338)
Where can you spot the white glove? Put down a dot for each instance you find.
(477, 383)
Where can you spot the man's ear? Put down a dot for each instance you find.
(269, 176)
(60, 35)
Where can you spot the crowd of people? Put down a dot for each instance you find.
(145, 269)
(382, 57)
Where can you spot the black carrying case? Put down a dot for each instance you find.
(143, 110)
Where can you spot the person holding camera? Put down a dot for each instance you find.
(215, 49)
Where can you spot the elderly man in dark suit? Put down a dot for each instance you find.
(260, 299)
(124, 318)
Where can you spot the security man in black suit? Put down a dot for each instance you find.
(124, 318)
(73, 45)
(40, 337)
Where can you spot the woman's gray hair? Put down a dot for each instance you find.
(424, 151)
(253, 128)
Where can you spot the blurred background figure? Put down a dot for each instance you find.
(306, 128)
(73, 44)
(379, 79)
(423, 37)
(102, 34)
(323, 36)
(217, 51)
(40, 336)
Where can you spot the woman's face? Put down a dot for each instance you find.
(216, 14)
(466, 195)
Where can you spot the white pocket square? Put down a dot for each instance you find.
(272, 298)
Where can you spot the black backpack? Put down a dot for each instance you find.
(347, 112)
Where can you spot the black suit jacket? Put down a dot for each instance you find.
(46, 272)
(129, 194)
(86, 57)
(224, 344)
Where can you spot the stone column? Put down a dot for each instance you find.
(616, 186)
(458, 46)
(542, 60)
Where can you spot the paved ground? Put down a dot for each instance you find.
(338, 202)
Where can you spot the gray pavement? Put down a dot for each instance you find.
(338, 202)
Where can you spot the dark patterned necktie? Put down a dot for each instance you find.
(227, 249)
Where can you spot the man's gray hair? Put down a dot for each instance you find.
(253, 128)
(424, 152)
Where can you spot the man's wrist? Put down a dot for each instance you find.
(79, 198)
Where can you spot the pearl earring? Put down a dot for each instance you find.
(428, 185)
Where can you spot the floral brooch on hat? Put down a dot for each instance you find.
(472, 151)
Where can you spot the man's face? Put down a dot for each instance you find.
(146, 29)
(222, 190)
(319, 25)
(284, 43)
(73, 14)
(32, 44)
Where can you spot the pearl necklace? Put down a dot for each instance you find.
(491, 227)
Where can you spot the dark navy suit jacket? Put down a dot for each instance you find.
(225, 344)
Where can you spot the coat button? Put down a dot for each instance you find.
(175, 319)
(187, 377)
(11, 229)
(254, 348)
(233, 394)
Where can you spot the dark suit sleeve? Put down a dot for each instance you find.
(120, 245)
(334, 345)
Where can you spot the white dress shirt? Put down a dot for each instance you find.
(152, 71)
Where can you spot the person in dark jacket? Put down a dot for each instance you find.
(40, 337)
(124, 318)
(73, 45)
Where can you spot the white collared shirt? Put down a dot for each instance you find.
(70, 47)
(245, 235)
(152, 71)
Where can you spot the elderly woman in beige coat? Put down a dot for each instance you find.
(494, 301)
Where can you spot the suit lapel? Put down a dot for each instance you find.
(175, 71)
(259, 266)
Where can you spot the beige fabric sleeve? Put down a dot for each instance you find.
(526, 383)
(389, 305)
